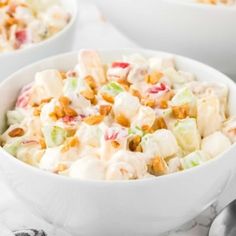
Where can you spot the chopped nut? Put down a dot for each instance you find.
(122, 120)
(34, 104)
(90, 81)
(163, 104)
(146, 128)
(74, 142)
(59, 111)
(104, 110)
(70, 143)
(107, 97)
(169, 95)
(65, 148)
(42, 143)
(94, 101)
(139, 148)
(45, 100)
(70, 132)
(159, 124)
(135, 93)
(94, 119)
(64, 101)
(63, 74)
(154, 77)
(157, 166)
(125, 84)
(4, 3)
(60, 168)
(180, 112)
(53, 116)
(70, 111)
(163, 101)
(17, 132)
(134, 143)
(38, 106)
(149, 102)
(213, 2)
(115, 144)
(37, 111)
(10, 21)
(88, 94)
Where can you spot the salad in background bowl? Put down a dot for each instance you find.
(30, 30)
(214, 2)
(218, 2)
(24, 23)
(146, 206)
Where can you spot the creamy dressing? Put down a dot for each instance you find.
(132, 118)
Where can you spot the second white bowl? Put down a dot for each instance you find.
(59, 43)
(204, 32)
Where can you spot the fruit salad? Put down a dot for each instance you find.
(218, 2)
(132, 118)
(26, 22)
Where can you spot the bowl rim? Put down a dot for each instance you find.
(41, 172)
(49, 40)
(203, 6)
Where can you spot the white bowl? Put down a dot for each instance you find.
(59, 43)
(140, 207)
(204, 32)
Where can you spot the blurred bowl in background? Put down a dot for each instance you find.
(204, 32)
(59, 43)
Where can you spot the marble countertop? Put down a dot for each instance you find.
(14, 216)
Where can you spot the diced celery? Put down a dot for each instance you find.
(112, 88)
(136, 131)
(193, 159)
(183, 96)
(71, 85)
(187, 134)
(54, 135)
(12, 147)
